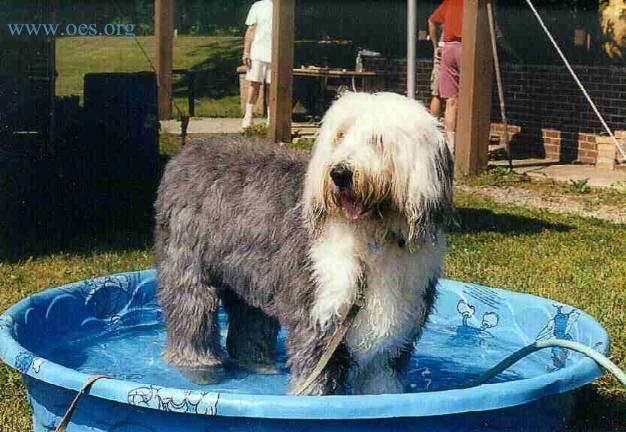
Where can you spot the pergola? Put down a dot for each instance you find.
(474, 117)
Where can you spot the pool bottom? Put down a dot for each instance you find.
(445, 358)
(99, 415)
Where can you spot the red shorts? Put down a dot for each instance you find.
(450, 74)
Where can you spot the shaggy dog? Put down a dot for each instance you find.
(279, 243)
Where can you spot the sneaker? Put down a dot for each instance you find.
(246, 122)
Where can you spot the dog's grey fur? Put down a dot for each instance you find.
(230, 227)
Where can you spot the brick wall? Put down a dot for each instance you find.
(547, 113)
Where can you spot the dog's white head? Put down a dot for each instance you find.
(379, 154)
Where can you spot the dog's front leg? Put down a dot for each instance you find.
(306, 346)
(384, 374)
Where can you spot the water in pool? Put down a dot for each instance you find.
(445, 357)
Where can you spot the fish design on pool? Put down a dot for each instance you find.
(150, 396)
(25, 361)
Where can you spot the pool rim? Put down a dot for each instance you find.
(486, 397)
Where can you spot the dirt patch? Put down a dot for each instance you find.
(551, 202)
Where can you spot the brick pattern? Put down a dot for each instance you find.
(552, 117)
(621, 136)
(587, 150)
(498, 129)
(551, 139)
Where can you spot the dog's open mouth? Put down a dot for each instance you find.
(351, 205)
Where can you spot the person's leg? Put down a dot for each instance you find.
(435, 103)
(268, 82)
(255, 78)
(253, 92)
(450, 121)
(251, 100)
(435, 106)
(449, 88)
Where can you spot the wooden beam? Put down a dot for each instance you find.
(281, 89)
(164, 38)
(474, 114)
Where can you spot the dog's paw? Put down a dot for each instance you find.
(260, 368)
(204, 375)
(376, 385)
(190, 359)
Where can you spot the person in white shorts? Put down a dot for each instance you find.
(257, 54)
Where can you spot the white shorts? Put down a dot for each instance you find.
(260, 72)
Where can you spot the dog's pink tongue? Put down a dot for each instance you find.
(351, 206)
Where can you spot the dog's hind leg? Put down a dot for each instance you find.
(190, 306)
(252, 335)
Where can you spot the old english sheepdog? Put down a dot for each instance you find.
(281, 238)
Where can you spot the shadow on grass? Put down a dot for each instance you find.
(593, 409)
(84, 244)
(44, 215)
(139, 234)
(215, 76)
(472, 220)
(73, 234)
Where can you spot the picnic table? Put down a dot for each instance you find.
(316, 96)
(333, 73)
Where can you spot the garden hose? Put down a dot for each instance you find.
(539, 345)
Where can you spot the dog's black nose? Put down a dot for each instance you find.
(342, 176)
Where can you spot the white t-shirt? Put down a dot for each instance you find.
(260, 15)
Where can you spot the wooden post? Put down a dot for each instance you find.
(281, 89)
(164, 39)
(474, 114)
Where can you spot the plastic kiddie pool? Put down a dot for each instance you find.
(114, 326)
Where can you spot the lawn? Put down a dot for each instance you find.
(569, 259)
(217, 85)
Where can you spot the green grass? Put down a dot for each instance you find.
(21, 278)
(259, 130)
(568, 259)
(217, 86)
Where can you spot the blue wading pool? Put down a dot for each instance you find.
(114, 326)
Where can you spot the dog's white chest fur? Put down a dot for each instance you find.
(396, 280)
(392, 298)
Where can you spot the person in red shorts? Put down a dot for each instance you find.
(449, 15)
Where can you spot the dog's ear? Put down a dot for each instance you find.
(427, 215)
(315, 205)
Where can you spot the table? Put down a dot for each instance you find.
(333, 82)
(317, 97)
